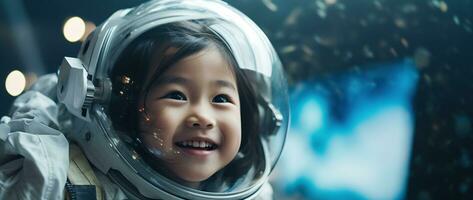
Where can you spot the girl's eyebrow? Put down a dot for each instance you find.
(227, 84)
(183, 81)
(172, 80)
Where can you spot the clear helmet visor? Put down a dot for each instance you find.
(198, 100)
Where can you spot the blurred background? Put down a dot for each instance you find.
(381, 91)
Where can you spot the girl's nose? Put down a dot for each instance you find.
(200, 118)
(194, 122)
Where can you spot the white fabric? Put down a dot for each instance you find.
(33, 157)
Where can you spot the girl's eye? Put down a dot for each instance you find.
(176, 95)
(221, 98)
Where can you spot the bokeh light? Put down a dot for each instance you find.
(15, 83)
(330, 2)
(74, 29)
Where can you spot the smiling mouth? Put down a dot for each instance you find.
(197, 145)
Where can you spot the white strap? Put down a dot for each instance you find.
(80, 172)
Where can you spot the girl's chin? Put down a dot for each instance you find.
(188, 178)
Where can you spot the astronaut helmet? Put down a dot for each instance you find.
(178, 99)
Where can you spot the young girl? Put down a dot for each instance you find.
(194, 109)
(170, 100)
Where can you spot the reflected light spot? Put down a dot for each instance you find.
(15, 83)
(270, 5)
(443, 6)
(74, 29)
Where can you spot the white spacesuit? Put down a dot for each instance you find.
(90, 131)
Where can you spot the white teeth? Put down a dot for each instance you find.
(196, 144)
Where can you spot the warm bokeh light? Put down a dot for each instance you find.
(74, 29)
(15, 83)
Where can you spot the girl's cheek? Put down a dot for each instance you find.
(231, 124)
(166, 118)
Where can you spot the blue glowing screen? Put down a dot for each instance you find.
(350, 135)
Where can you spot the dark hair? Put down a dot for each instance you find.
(129, 80)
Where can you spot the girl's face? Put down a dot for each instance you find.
(192, 116)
